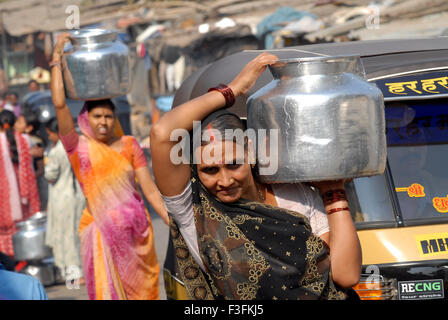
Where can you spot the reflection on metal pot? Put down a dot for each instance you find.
(96, 66)
(29, 240)
(330, 120)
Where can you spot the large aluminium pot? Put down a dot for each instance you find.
(96, 66)
(328, 119)
(29, 240)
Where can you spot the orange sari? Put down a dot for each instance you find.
(117, 243)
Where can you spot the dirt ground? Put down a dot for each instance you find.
(62, 292)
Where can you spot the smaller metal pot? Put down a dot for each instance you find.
(38, 215)
(44, 272)
(29, 240)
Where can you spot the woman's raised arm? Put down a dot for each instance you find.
(151, 192)
(65, 120)
(345, 248)
(172, 178)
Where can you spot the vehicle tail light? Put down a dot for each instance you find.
(376, 288)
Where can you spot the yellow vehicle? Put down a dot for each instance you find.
(402, 215)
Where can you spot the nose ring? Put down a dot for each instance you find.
(232, 180)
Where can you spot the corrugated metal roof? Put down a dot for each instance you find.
(28, 16)
(427, 26)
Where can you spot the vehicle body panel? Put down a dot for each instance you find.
(396, 246)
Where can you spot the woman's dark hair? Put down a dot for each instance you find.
(222, 123)
(223, 120)
(92, 104)
(52, 125)
(32, 119)
(7, 120)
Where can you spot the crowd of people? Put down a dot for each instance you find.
(19, 198)
(35, 177)
(234, 237)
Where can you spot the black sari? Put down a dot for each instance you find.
(252, 251)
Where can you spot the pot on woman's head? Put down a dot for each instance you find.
(96, 66)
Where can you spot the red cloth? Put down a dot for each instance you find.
(27, 179)
(28, 192)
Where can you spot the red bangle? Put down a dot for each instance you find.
(333, 200)
(226, 92)
(333, 196)
(337, 209)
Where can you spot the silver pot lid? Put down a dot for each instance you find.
(38, 215)
(37, 219)
(92, 36)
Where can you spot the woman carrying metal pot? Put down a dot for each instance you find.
(117, 241)
(234, 237)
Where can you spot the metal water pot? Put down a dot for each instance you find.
(96, 66)
(29, 240)
(328, 118)
(44, 271)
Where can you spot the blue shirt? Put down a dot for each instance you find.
(18, 286)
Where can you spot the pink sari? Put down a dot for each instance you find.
(117, 245)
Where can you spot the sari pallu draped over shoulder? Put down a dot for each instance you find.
(117, 245)
(253, 251)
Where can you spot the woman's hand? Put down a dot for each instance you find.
(325, 186)
(65, 120)
(57, 84)
(58, 50)
(345, 248)
(151, 193)
(246, 79)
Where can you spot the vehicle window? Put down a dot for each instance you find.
(417, 139)
(369, 199)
